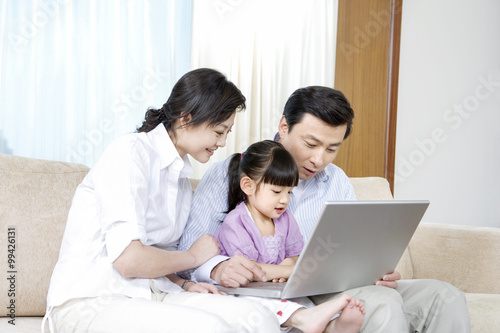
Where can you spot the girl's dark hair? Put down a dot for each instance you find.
(328, 104)
(264, 162)
(206, 94)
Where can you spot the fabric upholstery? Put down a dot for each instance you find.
(35, 197)
(484, 312)
(371, 188)
(468, 257)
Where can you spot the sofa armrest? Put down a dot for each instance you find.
(468, 257)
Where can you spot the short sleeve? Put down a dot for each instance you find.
(294, 242)
(234, 238)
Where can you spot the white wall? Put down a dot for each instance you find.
(448, 132)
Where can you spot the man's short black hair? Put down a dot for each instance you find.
(328, 104)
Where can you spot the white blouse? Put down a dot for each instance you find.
(138, 190)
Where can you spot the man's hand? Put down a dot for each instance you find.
(203, 288)
(390, 280)
(204, 248)
(237, 271)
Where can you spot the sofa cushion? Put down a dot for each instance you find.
(484, 312)
(23, 325)
(35, 197)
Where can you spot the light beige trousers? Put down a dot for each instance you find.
(430, 306)
(180, 312)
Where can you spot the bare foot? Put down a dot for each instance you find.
(350, 320)
(317, 318)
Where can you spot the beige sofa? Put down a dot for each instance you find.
(35, 196)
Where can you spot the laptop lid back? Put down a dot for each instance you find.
(354, 244)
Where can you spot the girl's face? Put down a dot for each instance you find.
(269, 201)
(202, 141)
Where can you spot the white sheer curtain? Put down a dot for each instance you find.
(268, 49)
(74, 75)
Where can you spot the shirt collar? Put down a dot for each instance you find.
(164, 147)
(322, 176)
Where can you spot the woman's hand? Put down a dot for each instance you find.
(204, 248)
(202, 288)
(237, 271)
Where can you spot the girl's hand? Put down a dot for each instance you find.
(288, 261)
(280, 280)
(202, 288)
(204, 248)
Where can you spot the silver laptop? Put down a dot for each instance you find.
(353, 244)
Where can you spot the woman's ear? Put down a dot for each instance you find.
(247, 185)
(184, 121)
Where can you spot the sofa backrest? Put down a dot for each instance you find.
(468, 257)
(35, 197)
(371, 188)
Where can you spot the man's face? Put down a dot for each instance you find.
(313, 143)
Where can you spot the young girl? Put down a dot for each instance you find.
(259, 227)
(118, 256)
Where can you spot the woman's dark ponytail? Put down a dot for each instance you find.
(154, 117)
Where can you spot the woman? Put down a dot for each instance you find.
(118, 258)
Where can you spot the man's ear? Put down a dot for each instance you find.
(283, 127)
(247, 185)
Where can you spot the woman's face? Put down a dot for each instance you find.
(202, 141)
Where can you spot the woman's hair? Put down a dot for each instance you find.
(328, 104)
(205, 94)
(264, 162)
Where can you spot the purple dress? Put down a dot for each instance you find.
(239, 235)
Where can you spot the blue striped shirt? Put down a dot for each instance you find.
(210, 201)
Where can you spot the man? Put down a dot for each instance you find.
(315, 122)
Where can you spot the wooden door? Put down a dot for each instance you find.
(366, 71)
